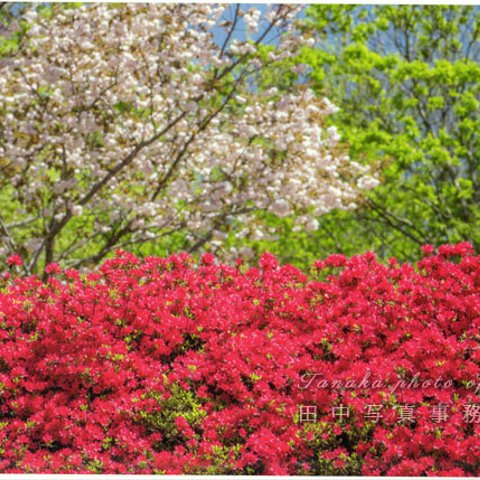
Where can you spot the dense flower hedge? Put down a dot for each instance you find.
(164, 366)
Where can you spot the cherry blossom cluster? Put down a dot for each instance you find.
(134, 121)
(162, 365)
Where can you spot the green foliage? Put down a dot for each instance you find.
(406, 79)
(223, 461)
(180, 402)
(320, 438)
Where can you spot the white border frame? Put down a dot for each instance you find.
(12, 476)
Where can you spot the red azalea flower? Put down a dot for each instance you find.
(53, 268)
(15, 259)
(105, 369)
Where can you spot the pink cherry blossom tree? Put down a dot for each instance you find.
(121, 124)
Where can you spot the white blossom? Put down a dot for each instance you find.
(77, 210)
(280, 207)
(114, 109)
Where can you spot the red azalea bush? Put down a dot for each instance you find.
(163, 366)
